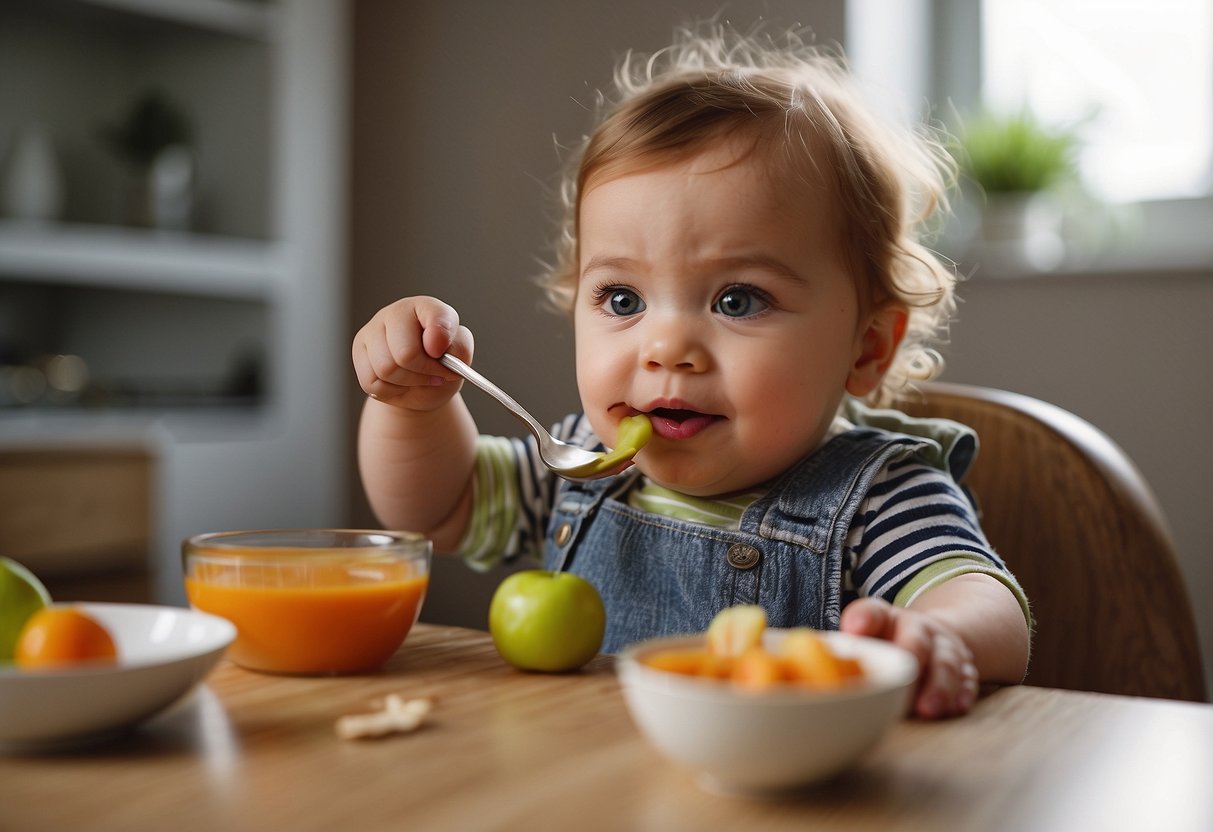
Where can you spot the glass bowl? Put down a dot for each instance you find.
(310, 601)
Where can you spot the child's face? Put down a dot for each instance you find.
(712, 302)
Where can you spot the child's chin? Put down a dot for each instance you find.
(693, 483)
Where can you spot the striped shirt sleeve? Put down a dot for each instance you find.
(915, 530)
(512, 495)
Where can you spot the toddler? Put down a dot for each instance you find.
(740, 261)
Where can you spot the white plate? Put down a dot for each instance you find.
(163, 652)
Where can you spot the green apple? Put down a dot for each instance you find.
(21, 595)
(548, 621)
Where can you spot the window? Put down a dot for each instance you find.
(1136, 78)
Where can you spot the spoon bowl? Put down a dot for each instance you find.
(561, 458)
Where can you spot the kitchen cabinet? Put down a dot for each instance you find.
(80, 520)
(218, 348)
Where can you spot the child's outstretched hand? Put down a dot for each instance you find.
(947, 675)
(396, 353)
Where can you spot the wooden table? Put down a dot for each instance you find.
(510, 750)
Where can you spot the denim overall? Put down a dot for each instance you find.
(663, 576)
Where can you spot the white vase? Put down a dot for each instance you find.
(1022, 230)
(31, 185)
(172, 180)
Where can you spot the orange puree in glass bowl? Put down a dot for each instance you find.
(310, 601)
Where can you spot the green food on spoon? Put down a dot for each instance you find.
(634, 432)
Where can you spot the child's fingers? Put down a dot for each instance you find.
(398, 348)
(880, 619)
(913, 634)
(388, 356)
(438, 330)
(462, 346)
(868, 617)
(947, 681)
(389, 371)
(401, 339)
(969, 688)
(391, 354)
(949, 685)
(374, 363)
(363, 369)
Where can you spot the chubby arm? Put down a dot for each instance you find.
(416, 438)
(966, 631)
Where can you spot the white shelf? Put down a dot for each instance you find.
(127, 258)
(265, 85)
(150, 428)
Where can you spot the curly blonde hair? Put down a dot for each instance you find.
(799, 105)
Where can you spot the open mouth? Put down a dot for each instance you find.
(679, 423)
(675, 414)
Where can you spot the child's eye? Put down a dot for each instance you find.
(622, 302)
(741, 302)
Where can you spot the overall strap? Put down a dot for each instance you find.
(575, 505)
(811, 509)
(812, 505)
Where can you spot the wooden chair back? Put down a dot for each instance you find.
(1073, 518)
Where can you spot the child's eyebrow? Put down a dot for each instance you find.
(622, 264)
(772, 265)
(732, 263)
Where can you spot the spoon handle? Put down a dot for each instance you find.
(493, 390)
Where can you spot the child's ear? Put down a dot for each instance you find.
(877, 344)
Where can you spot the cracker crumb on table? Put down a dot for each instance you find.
(398, 716)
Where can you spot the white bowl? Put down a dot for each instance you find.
(741, 742)
(163, 652)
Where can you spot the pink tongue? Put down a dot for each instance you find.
(681, 428)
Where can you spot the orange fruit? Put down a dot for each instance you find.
(734, 652)
(756, 669)
(810, 661)
(691, 663)
(61, 635)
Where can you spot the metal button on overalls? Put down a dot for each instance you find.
(743, 556)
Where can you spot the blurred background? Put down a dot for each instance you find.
(202, 200)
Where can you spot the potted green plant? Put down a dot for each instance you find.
(1019, 166)
(153, 140)
(1017, 154)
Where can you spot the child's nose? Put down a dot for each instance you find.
(675, 347)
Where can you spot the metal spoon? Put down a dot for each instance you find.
(563, 459)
